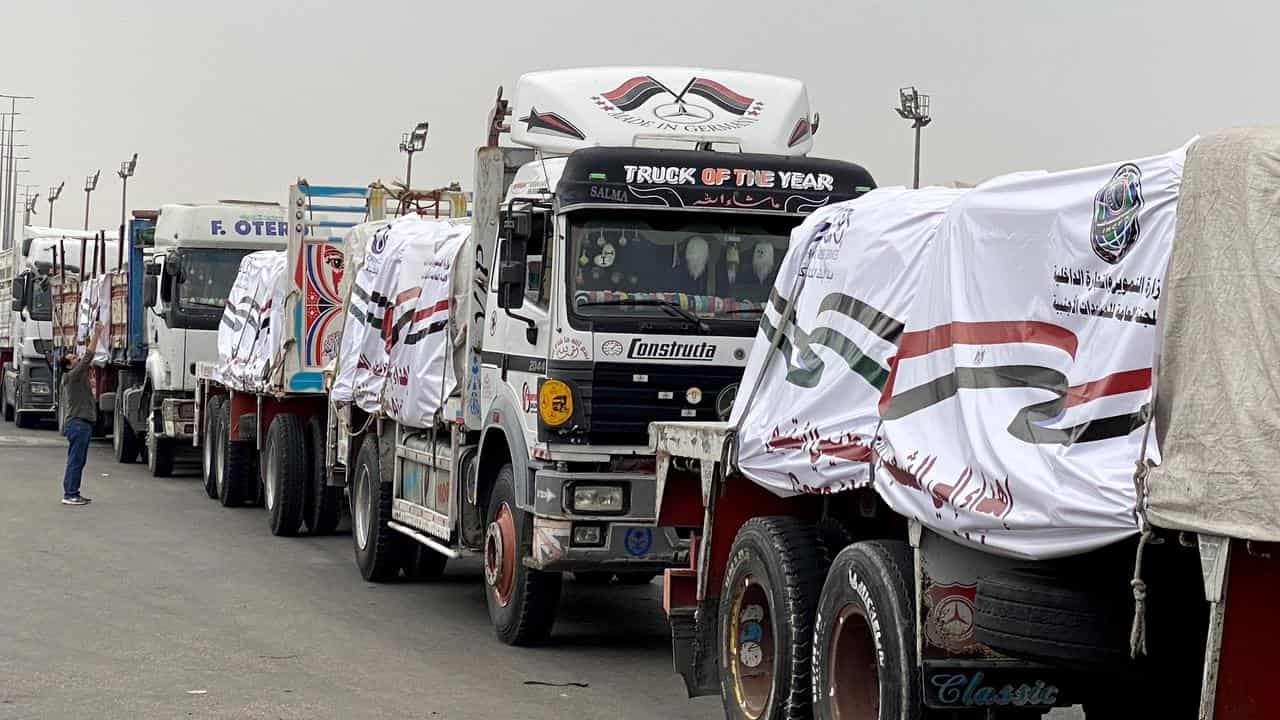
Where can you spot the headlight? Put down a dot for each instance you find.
(555, 402)
(39, 388)
(597, 499)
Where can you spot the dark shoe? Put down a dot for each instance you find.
(77, 500)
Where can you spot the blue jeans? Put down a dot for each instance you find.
(78, 432)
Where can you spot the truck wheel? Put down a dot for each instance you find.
(322, 506)
(160, 453)
(421, 563)
(1047, 616)
(522, 602)
(864, 643)
(378, 547)
(284, 474)
(124, 441)
(27, 420)
(235, 464)
(209, 452)
(767, 603)
(5, 408)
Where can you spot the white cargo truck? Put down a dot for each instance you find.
(618, 262)
(942, 492)
(261, 395)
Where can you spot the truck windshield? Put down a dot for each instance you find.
(645, 262)
(203, 284)
(207, 277)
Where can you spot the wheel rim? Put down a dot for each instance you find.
(220, 465)
(751, 646)
(363, 514)
(270, 480)
(117, 441)
(151, 449)
(853, 683)
(500, 556)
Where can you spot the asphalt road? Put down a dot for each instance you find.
(155, 602)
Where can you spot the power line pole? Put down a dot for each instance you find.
(11, 179)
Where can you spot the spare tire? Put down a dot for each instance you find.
(1066, 619)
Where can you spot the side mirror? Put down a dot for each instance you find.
(512, 260)
(19, 289)
(152, 269)
(171, 269)
(150, 286)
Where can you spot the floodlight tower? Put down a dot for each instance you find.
(914, 106)
(410, 143)
(90, 184)
(125, 172)
(54, 192)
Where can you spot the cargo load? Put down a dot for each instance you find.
(400, 337)
(986, 354)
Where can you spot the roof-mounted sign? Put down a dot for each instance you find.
(560, 111)
(680, 179)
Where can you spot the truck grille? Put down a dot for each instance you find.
(621, 399)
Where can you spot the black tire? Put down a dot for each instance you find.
(6, 410)
(160, 452)
(532, 597)
(767, 604)
(27, 420)
(284, 474)
(866, 619)
(124, 441)
(209, 445)
(378, 547)
(322, 506)
(1046, 616)
(420, 563)
(236, 464)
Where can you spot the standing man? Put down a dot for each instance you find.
(80, 414)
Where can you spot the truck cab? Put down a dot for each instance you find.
(183, 262)
(637, 248)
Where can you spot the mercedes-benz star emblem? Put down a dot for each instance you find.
(683, 113)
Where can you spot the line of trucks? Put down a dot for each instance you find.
(880, 444)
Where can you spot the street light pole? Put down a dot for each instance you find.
(90, 182)
(914, 106)
(30, 209)
(125, 172)
(54, 192)
(410, 143)
(10, 175)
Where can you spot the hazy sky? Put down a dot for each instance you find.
(235, 99)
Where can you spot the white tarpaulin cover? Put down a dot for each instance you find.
(254, 309)
(94, 310)
(990, 350)
(398, 341)
(1218, 380)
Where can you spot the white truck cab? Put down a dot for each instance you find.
(190, 259)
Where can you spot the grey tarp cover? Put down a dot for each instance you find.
(1218, 377)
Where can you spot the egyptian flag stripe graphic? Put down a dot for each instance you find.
(634, 92)
(550, 124)
(721, 95)
(1030, 423)
(800, 133)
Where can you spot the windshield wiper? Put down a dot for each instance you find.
(667, 305)
(741, 311)
(204, 303)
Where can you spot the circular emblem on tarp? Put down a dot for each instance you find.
(1115, 226)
